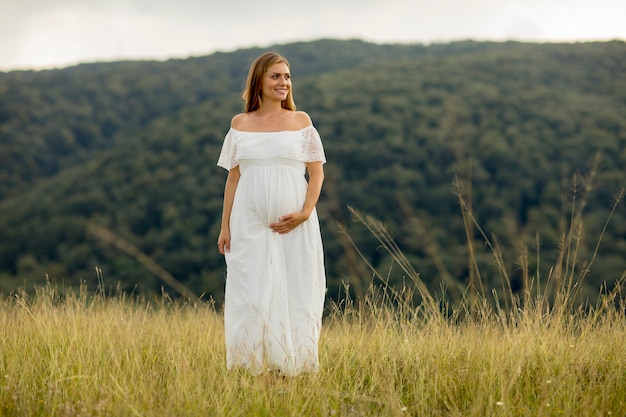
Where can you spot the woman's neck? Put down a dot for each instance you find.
(270, 106)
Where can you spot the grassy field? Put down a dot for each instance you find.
(86, 355)
(536, 353)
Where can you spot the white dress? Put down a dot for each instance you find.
(275, 283)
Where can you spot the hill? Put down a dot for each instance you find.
(131, 147)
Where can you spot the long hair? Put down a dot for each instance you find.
(252, 95)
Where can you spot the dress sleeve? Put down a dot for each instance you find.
(227, 159)
(312, 146)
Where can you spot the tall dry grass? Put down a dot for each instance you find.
(80, 354)
(87, 355)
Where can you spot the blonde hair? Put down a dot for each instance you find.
(252, 95)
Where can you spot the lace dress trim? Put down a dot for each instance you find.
(307, 146)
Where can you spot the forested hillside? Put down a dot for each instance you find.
(131, 148)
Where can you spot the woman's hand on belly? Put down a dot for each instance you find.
(288, 222)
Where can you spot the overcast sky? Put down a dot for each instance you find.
(57, 33)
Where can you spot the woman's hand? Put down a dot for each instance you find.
(288, 222)
(223, 241)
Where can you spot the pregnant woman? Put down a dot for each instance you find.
(270, 235)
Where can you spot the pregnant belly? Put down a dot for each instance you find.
(265, 193)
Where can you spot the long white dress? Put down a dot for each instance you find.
(275, 283)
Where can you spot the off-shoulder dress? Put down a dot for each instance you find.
(275, 283)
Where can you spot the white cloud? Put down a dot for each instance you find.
(44, 33)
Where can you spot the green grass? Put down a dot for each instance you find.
(87, 355)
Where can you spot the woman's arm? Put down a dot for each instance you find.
(223, 241)
(316, 179)
(290, 221)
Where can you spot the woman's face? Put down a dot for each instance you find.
(276, 82)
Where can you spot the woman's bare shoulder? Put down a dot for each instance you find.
(239, 120)
(301, 120)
